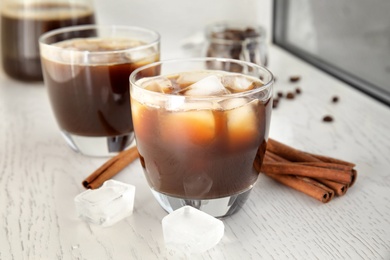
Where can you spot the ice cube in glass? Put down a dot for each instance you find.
(242, 121)
(188, 78)
(239, 83)
(208, 86)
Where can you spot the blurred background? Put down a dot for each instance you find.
(349, 39)
(182, 23)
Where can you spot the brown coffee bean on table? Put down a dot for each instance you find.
(295, 78)
(327, 118)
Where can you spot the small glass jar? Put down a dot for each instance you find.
(235, 41)
(23, 21)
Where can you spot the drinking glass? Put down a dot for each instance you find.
(237, 41)
(86, 70)
(24, 21)
(199, 127)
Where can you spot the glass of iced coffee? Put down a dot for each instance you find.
(24, 21)
(86, 70)
(198, 128)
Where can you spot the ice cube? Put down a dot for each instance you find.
(191, 231)
(209, 86)
(106, 59)
(188, 78)
(147, 54)
(159, 84)
(242, 122)
(107, 205)
(69, 57)
(195, 127)
(198, 184)
(108, 44)
(187, 105)
(240, 83)
(231, 103)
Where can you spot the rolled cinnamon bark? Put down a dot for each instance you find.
(354, 177)
(335, 166)
(307, 171)
(318, 184)
(331, 160)
(110, 168)
(289, 153)
(274, 157)
(339, 188)
(304, 186)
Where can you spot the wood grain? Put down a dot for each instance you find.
(40, 176)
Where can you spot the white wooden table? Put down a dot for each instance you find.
(40, 175)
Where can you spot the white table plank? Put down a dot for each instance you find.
(40, 176)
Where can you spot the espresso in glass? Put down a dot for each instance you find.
(23, 22)
(198, 133)
(88, 84)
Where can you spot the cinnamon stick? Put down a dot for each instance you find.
(110, 168)
(304, 186)
(354, 176)
(339, 188)
(275, 157)
(307, 171)
(332, 160)
(289, 153)
(335, 166)
(318, 184)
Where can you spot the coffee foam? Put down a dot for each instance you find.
(45, 11)
(99, 51)
(99, 44)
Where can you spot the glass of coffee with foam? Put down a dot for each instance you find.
(199, 126)
(86, 70)
(24, 21)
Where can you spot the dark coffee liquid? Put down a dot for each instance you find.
(195, 171)
(183, 157)
(92, 100)
(20, 34)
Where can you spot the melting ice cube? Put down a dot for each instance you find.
(232, 103)
(240, 83)
(158, 84)
(107, 205)
(195, 127)
(242, 121)
(191, 231)
(187, 78)
(143, 54)
(198, 184)
(208, 86)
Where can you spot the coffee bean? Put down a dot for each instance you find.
(327, 118)
(298, 91)
(335, 99)
(280, 94)
(275, 103)
(290, 95)
(295, 78)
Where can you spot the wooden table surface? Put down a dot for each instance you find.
(40, 176)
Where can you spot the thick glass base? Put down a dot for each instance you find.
(219, 208)
(98, 146)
